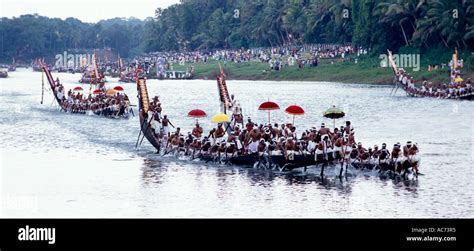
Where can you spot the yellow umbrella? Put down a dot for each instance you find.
(110, 92)
(458, 80)
(219, 118)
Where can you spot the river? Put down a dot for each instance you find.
(65, 165)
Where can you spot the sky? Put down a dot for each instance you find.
(84, 10)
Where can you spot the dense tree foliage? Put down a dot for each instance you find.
(30, 36)
(417, 24)
(413, 25)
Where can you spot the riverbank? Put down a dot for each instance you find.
(364, 70)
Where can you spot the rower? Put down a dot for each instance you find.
(329, 149)
(323, 130)
(292, 132)
(230, 150)
(396, 157)
(414, 158)
(338, 154)
(362, 153)
(178, 132)
(283, 130)
(335, 135)
(279, 147)
(376, 152)
(348, 129)
(384, 157)
(312, 146)
(249, 125)
(360, 148)
(406, 148)
(253, 146)
(351, 138)
(197, 131)
(219, 133)
(276, 131)
(320, 152)
(353, 155)
(231, 138)
(290, 149)
(261, 148)
(267, 135)
(175, 143)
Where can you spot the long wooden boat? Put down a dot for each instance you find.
(143, 108)
(415, 92)
(52, 84)
(280, 162)
(176, 75)
(126, 78)
(93, 75)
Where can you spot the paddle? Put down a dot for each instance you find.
(149, 123)
(139, 133)
(166, 148)
(42, 86)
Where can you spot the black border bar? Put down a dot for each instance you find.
(225, 234)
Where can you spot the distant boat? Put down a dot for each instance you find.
(177, 74)
(413, 91)
(37, 64)
(92, 75)
(3, 73)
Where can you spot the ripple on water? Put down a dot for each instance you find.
(85, 166)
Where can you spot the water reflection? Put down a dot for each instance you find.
(114, 179)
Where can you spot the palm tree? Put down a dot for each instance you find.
(439, 21)
(399, 13)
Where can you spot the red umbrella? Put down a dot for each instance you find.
(295, 111)
(268, 106)
(118, 88)
(95, 92)
(78, 89)
(197, 113)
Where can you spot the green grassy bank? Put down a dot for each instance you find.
(366, 70)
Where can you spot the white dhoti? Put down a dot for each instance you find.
(239, 144)
(415, 159)
(155, 126)
(383, 161)
(354, 160)
(166, 129)
(398, 159)
(253, 146)
(220, 140)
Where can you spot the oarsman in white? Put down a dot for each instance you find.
(37, 234)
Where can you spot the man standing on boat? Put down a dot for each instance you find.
(165, 122)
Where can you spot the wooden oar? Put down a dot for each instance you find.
(139, 133)
(42, 86)
(149, 123)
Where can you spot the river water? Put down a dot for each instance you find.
(63, 165)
